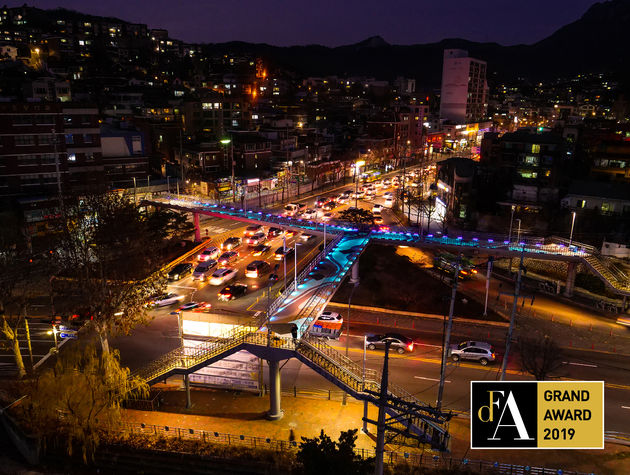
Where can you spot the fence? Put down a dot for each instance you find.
(423, 459)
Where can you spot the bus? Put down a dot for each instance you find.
(446, 263)
(327, 325)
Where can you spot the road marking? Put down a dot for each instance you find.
(580, 364)
(430, 379)
(625, 407)
(182, 287)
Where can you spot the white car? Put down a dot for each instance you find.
(166, 300)
(309, 214)
(388, 194)
(389, 202)
(208, 254)
(377, 209)
(223, 275)
(203, 270)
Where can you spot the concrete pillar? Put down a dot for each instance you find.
(354, 278)
(571, 271)
(187, 384)
(275, 412)
(197, 228)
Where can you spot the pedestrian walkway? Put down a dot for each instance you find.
(244, 414)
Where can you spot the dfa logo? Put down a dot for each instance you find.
(503, 415)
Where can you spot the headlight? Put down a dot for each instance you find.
(176, 276)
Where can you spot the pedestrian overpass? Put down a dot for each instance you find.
(306, 297)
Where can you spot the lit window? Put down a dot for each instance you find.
(72, 157)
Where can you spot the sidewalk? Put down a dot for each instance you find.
(243, 414)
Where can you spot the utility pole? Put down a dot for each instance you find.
(382, 402)
(181, 157)
(517, 289)
(489, 273)
(447, 336)
(284, 258)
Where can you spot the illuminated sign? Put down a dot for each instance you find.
(537, 414)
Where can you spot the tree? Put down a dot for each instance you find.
(322, 455)
(16, 281)
(105, 265)
(540, 356)
(168, 225)
(79, 397)
(357, 216)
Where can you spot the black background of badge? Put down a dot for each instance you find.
(526, 396)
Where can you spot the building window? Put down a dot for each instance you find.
(581, 203)
(72, 157)
(24, 140)
(87, 138)
(45, 139)
(606, 207)
(69, 139)
(531, 160)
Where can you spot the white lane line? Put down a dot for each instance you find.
(183, 287)
(625, 407)
(430, 379)
(580, 364)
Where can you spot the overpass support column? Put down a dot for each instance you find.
(197, 228)
(354, 278)
(571, 270)
(275, 412)
(187, 384)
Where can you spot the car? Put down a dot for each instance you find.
(282, 252)
(203, 307)
(165, 300)
(257, 269)
(290, 232)
(253, 229)
(310, 214)
(378, 219)
(231, 243)
(377, 209)
(232, 292)
(195, 306)
(260, 250)
(343, 199)
(306, 237)
(180, 271)
(329, 316)
(358, 194)
(319, 202)
(387, 182)
(473, 351)
(329, 205)
(256, 239)
(209, 253)
(346, 193)
(203, 270)
(227, 258)
(400, 343)
(275, 232)
(327, 216)
(389, 203)
(388, 194)
(222, 275)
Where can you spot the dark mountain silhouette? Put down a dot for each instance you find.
(597, 42)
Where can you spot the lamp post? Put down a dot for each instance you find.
(572, 226)
(357, 165)
(518, 231)
(511, 222)
(228, 141)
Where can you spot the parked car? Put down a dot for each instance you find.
(222, 275)
(400, 343)
(275, 232)
(232, 292)
(209, 253)
(165, 300)
(180, 271)
(203, 270)
(227, 258)
(473, 351)
(282, 252)
(253, 229)
(256, 239)
(257, 269)
(231, 243)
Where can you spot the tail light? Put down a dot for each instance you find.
(474, 271)
(410, 346)
(493, 355)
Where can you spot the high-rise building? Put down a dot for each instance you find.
(464, 88)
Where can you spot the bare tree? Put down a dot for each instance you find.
(106, 270)
(540, 356)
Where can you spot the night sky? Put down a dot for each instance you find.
(339, 22)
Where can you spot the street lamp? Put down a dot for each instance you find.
(518, 232)
(227, 141)
(357, 165)
(572, 225)
(511, 222)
